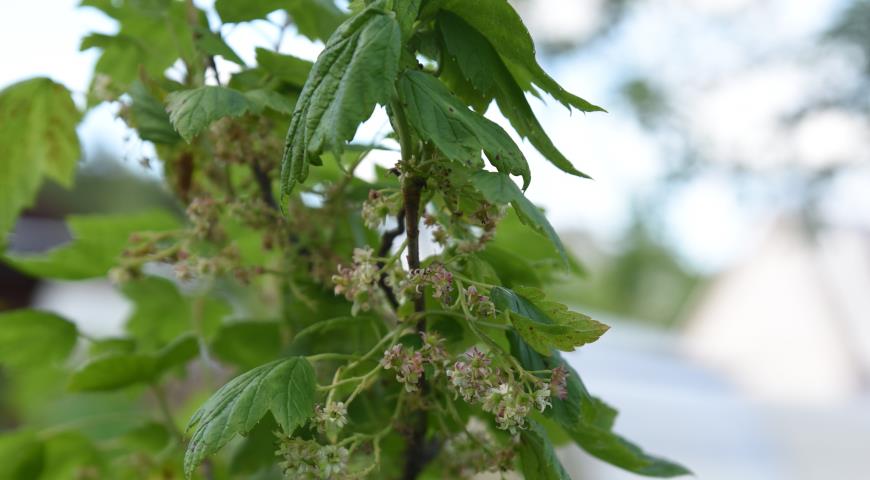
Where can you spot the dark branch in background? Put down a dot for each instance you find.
(265, 185)
(387, 240)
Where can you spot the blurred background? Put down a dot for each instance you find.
(726, 236)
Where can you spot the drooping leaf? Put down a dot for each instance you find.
(22, 455)
(285, 387)
(247, 344)
(192, 111)
(211, 43)
(354, 72)
(545, 324)
(38, 137)
(149, 117)
(498, 188)
(458, 132)
(288, 68)
(537, 457)
(32, 337)
(98, 241)
(589, 421)
(500, 24)
(113, 372)
(478, 61)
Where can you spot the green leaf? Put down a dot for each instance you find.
(150, 437)
(537, 457)
(284, 387)
(97, 243)
(352, 335)
(149, 117)
(192, 111)
(354, 72)
(180, 351)
(288, 68)
(37, 130)
(458, 132)
(262, 98)
(247, 344)
(589, 421)
(212, 44)
(316, 19)
(486, 72)
(545, 324)
(113, 372)
(161, 313)
(29, 337)
(500, 189)
(500, 24)
(67, 454)
(22, 456)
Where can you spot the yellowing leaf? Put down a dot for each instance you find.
(37, 139)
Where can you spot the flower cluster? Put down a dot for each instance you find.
(474, 379)
(331, 418)
(409, 363)
(358, 283)
(476, 451)
(309, 460)
(478, 303)
(435, 275)
(559, 382)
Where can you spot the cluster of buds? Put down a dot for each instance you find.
(378, 207)
(359, 282)
(409, 363)
(439, 233)
(309, 460)
(486, 217)
(204, 215)
(330, 419)
(559, 382)
(435, 275)
(478, 303)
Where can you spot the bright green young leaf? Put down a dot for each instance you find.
(288, 68)
(22, 456)
(500, 24)
(285, 387)
(498, 188)
(212, 44)
(354, 72)
(537, 457)
(458, 132)
(113, 372)
(589, 421)
(192, 111)
(484, 69)
(247, 344)
(38, 133)
(98, 241)
(30, 337)
(545, 324)
(150, 118)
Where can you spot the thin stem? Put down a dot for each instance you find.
(163, 404)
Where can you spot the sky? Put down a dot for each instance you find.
(733, 67)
